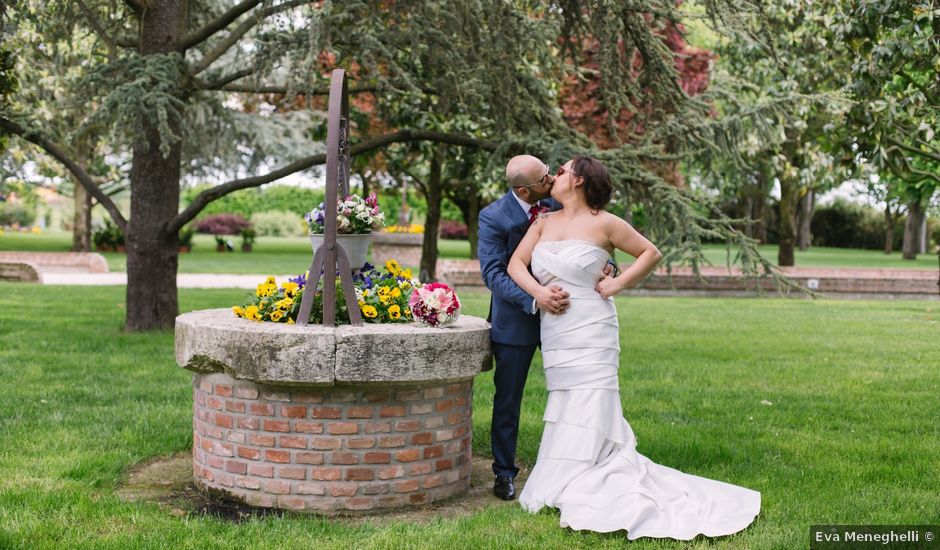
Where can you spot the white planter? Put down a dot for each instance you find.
(356, 246)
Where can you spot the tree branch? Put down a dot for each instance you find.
(99, 28)
(914, 150)
(139, 6)
(212, 27)
(127, 41)
(220, 83)
(57, 153)
(203, 199)
(245, 88)
(240, 31)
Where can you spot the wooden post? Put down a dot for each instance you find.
(331, 257)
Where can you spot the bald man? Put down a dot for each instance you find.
(513, 313)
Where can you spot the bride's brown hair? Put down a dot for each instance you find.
(597, 186)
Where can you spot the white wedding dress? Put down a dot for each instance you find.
(587, 464)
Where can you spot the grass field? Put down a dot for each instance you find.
(828, 408)
(293, 255)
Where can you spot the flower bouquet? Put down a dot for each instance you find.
(434, 305)
(354, 215)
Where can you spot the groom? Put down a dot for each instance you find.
(513, 313)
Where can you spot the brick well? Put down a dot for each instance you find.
(331, 450)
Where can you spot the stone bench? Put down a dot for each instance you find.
(327, 420)
(19, 272)
(87, 262)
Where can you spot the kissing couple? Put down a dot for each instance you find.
(544, 251)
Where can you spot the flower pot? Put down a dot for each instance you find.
(355, 245)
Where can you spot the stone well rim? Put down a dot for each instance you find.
(214, 340)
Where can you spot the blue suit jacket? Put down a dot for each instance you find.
(502, 226)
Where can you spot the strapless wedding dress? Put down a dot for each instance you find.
(587, 464)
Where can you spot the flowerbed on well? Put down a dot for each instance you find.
(381, 294)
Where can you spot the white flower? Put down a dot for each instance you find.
(342, 224)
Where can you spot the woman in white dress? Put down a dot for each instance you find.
(587, 464)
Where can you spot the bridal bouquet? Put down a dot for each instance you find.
(434, 305)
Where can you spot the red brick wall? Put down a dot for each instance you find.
(331, 450)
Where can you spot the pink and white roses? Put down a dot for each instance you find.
(434, 305)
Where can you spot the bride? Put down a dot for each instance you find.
(587, 464)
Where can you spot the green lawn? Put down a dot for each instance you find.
(293, 255)
(828, 408)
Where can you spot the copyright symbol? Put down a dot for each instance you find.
(928, 536)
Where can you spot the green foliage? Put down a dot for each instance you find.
(134, 88)
(17, 214)
(109, 237)
(848, 225)
(186, 237)
(278, 223)
(247, 202)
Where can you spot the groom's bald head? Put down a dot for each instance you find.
(524, 170)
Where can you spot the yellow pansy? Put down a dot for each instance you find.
(290, 321)
(276, 315)
(396, 293)
(361, 304)
(370, 312)
(383, 291)
(393, 267)
(239, 312)
(252, 312)
(394, 312)
(290, 289)
(265, 290)
(406, 273)
(407, 311)
(271, 280)
(284, 304)
(367, 292)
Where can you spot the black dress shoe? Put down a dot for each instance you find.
(504, 488)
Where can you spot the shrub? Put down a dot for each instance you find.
(278, 223)
(186, 237)
(16, 214)
(248, 202)
(222, 224)
(451, 229)
(847, 225)
(109, 237)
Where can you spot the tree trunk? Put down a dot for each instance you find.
(432, 224)
(911, 230)
(922, 233)
(748, 216)
(787, 225)
(81, 221)
(152, 253)
(807, 204)
(890, 220)
(466, 195)
(472, 218)
(759, 208)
